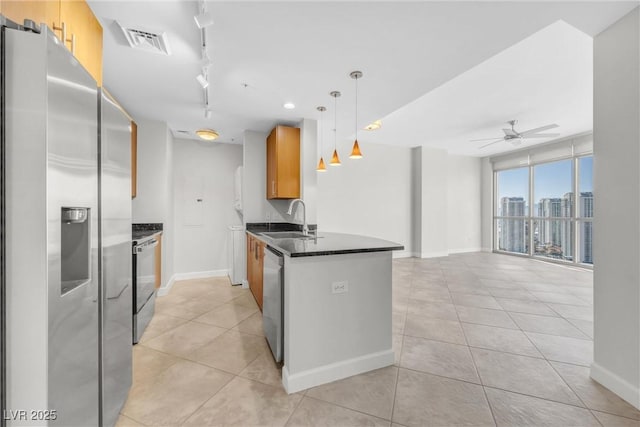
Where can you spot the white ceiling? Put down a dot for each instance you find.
(447, 71)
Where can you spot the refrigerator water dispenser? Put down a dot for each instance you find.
(75, 237)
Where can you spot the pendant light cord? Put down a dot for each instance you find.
(321, 131)
(335, 121)
(356, 109)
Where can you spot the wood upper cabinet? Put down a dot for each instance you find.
(71, 20)
(283, 163)
(38, 11)
(84, 35)
(255, 262)
(134, 159)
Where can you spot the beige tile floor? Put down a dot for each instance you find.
(480, 339)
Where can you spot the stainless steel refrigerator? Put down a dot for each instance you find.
(115, 246)
(67, 277)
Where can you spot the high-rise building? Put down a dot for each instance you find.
(513, 232)
(554, 235)
(586, 229)
(549, 231)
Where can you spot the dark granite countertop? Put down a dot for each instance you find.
(144, 230)
(328, 244)
(264, 227)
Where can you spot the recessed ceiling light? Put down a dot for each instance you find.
(207, 134)
(289, 105)
(374, 126)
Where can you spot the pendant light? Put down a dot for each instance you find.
(355, 152)
(335, 160)
(321, 166)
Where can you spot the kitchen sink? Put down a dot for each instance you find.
(288, 235)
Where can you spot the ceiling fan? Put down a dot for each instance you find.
(516, 137)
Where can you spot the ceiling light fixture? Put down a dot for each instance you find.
(289, 105)
(202, 80)
(204, 18)
(335, 160)
(321, 166)
(374, 126)
(207, 134)
(355, 151)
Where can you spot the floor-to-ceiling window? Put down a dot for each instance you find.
(545, 209)
(512, 210)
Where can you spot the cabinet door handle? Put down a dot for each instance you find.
(63, 31)
(72, 40)
(273, 188)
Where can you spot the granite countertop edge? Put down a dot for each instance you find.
(272, 243)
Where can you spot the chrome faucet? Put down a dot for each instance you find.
(305, 227)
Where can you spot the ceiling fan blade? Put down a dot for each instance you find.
(540, 129)
(510, 132)
(484, 139)
(541, 135)
(491, 143)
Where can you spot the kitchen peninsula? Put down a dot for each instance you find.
(336, 304)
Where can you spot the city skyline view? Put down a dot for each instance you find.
(558, 225)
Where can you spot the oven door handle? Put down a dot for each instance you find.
(143, 247)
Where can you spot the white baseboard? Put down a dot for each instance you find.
(245, 284)
(433, 254)
(335, 371)
(402, 254)
(164, 290)
(464, 250)
(486, 250)
(201, 274)
(617, 385)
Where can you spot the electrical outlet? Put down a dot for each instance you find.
(339, 287)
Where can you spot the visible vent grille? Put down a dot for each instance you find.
(145, 39)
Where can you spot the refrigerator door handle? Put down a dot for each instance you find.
(119, 293)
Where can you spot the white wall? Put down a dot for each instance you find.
(154, 199)
(616, 134)
(308, 174)
(370, 196)
(206, 172)
(486, 203)
(434, 203)
(463, 204)
(416, 204)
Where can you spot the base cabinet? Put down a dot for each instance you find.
(255, 262)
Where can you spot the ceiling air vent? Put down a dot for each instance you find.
(146, 39)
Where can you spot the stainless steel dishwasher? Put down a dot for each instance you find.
(272, 301)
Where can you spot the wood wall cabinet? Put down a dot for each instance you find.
(38, 11)
(71, 20)
(84, 35)
(283, 163)
(134, 159)
(255, 263)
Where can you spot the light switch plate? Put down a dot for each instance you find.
(339, 287)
